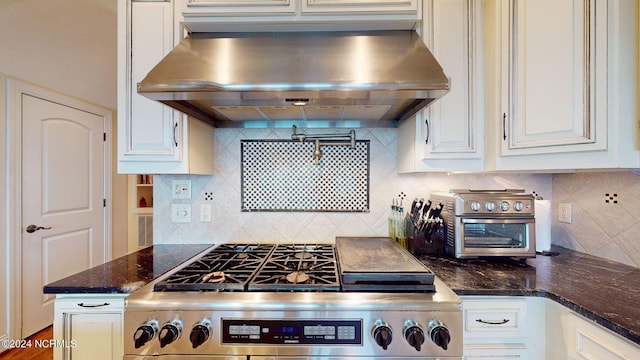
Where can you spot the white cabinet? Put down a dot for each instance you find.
(294, 7)
(502, 327)
(517, 327)
(359, 6)
(239, 7)
(572, 336)
(587, 340)
(561, 84)
(557, 54)
(153, 138)
(87, 326)
(282, 15)
(449, 135)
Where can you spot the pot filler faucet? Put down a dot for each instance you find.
(317, 152)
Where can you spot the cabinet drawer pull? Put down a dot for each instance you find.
(493, 322)
(93, 305)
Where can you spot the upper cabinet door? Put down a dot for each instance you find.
(153, 138)
(360, 6)
(152, 130)
(453, 124)
(554, 75)
(239, 7)
(561, 84)
(449, 134)
(299, 15)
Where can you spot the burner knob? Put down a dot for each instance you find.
(145, 333)
(382, 334)
(475, 206)
(414, 334)
(170, 332)
(439, 334)
(490, 206)
(200, 333)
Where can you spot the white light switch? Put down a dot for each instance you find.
(181, 213)
(181, 189)
(205, 213)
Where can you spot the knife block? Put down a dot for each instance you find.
(432, 244)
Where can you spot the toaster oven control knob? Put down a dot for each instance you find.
(200, 333)
(504, 206)
(145, 333)
(170, 332)
(475, 205)
(414, 335)
(490, 206)
(439, 334)
(382, 334)
(518, 206)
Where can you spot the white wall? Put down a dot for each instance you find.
(68, 46)
(5, 256)
(65, 45)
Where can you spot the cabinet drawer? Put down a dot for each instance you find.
(495, 353)
(91, 304)
(494, 319)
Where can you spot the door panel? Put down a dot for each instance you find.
(56, 251)
(551, 75)
(63, 188)
(56, 150)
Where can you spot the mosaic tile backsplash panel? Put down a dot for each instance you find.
(280, 175)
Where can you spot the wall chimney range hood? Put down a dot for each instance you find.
(308, 79)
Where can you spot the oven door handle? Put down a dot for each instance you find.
(499, 220)
(493, 322)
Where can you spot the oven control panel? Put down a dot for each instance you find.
(292, 332)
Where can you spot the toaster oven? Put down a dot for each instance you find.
(488, 223)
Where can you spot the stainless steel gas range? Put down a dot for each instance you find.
(362, 298)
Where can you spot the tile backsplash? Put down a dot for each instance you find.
(279, 175)
(605, 214)
(230, 224)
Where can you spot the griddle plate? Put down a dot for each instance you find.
(379, 264)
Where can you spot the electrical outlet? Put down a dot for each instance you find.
(181, 213)
(564, 213)
(181, 189)
(205, 213)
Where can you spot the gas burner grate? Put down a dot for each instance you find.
(298, 267)
(227, 267)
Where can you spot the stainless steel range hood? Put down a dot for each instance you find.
(307, 79)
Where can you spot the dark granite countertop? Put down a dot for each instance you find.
(127, 273)
(604, 291)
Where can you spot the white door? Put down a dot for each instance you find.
(63, 187)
